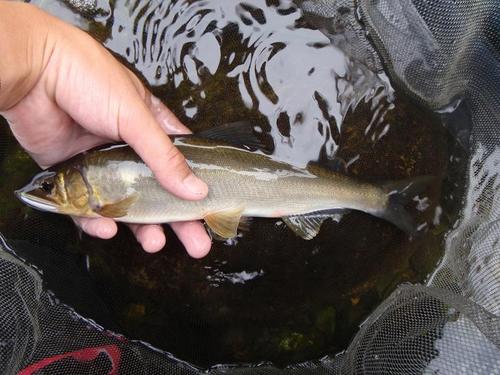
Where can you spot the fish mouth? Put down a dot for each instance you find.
(36, 202)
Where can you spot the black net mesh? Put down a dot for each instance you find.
(447, 55)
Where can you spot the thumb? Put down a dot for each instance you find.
(138, 127)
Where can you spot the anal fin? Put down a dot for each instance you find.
(308, 226)
(224, 223)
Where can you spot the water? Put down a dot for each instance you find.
(266, 295)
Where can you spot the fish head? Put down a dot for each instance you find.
(60, 191)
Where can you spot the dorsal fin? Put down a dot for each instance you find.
(337, 164)
(240, 133)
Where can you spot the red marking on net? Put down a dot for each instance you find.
(83, 355)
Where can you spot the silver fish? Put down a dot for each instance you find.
(114, 182)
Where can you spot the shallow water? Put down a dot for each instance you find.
(267, 295)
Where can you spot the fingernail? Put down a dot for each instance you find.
(156, 102)
(195, 185)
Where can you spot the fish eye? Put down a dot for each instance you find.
(47, 186)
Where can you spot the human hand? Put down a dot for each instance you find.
(63, 93)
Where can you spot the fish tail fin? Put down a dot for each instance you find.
(399, 193)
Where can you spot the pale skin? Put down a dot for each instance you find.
(63, 93)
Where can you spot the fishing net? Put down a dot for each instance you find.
(446, 54)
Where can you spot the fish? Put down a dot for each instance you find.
(244, 181)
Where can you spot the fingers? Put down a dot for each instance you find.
(101, 227)
(194, 237)
(192, 234)
(151, 237)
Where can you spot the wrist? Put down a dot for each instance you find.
(25, 48)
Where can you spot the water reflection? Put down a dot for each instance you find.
(301, 84)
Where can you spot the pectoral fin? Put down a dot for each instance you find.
(224, 223)
(117, 209)
(308, 226)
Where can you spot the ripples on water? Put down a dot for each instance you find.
(266, 295)
(264, 53)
